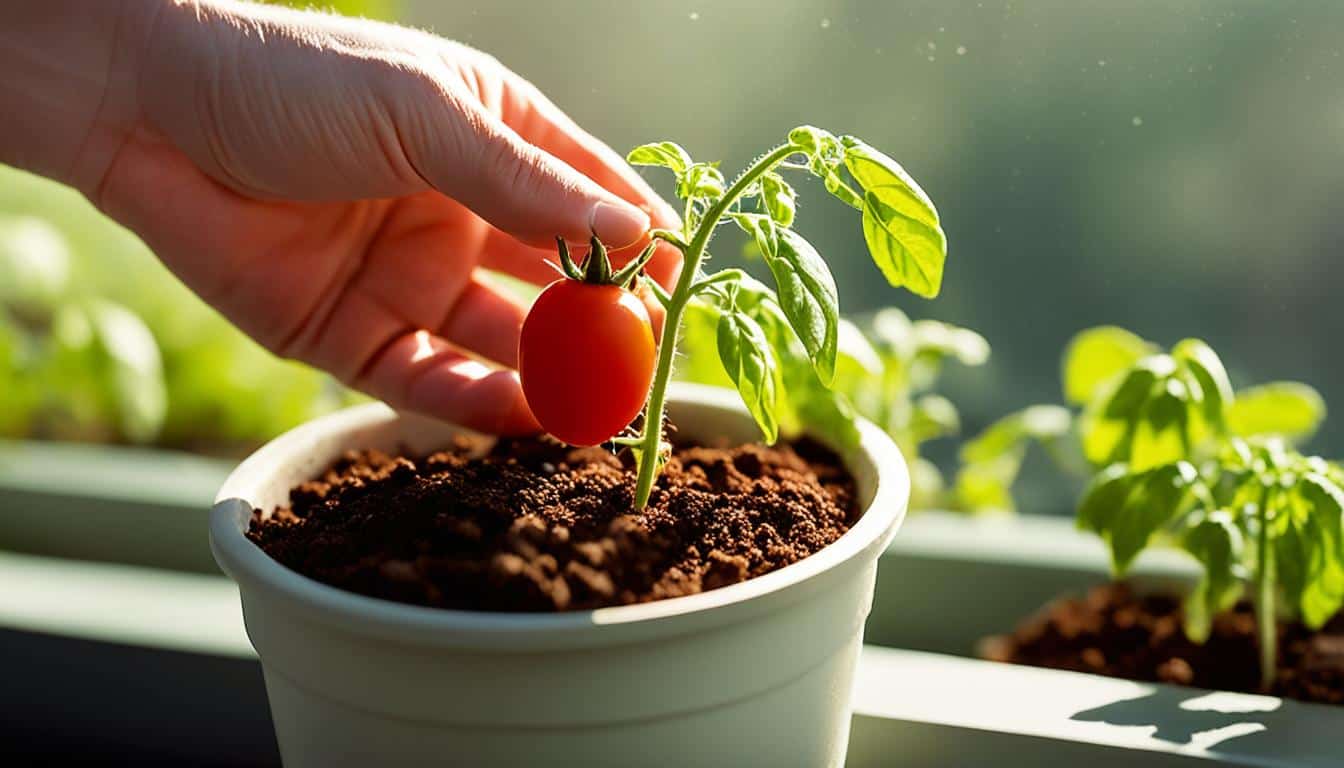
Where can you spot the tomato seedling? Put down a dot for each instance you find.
(586, 350)
(769, 341)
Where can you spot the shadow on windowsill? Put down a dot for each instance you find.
(1233, 725)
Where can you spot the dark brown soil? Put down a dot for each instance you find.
(1112, 631)
(533, 526)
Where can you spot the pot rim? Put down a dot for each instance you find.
(250, 566)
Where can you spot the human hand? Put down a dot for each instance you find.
(332, 187)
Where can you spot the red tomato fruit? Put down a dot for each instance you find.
(586, 358)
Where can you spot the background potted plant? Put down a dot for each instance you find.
(1183, 460)
(1182, 513)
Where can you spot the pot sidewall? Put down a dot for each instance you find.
(757, 673)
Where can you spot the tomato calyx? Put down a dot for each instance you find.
(596, 266)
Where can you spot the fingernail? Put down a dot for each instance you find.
(619, 225)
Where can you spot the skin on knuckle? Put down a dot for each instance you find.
(433, 120)
(520, 175)
(403, 76)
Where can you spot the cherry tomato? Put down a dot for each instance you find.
(586, 358)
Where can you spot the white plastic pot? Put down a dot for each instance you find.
(754, 674)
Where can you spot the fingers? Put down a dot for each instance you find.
(525, 167)
(420, 372)
(541, 122)
(482, 163)
(486, 320)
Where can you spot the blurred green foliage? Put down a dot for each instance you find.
(98, 342)
(1139, 407)
(386, 10)
(887, 369)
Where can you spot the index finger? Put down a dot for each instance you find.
(539, 121)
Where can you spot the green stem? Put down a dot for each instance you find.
(692, 256)
(715, 279)
(1265, 619)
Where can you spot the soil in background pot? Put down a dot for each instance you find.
(529, 525)
(1114, 631)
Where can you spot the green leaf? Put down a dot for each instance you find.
(1292, 556)
(808, 296)
(875, 170)
(932, 417)
(1107, 424)
(841, 191)
(137, 370)
(1160, 496)
(105, 374)
(747, 358)
(1217, 543)
(893, 331)
(825, 155)
(1203, 364)
(993, 459)
(34, 265)
(804, 403)
(1009, 433)
(860, 370)
(926, 484)
(945, 339)
(1105, 495)
(22, 393)
(1126, 508)
(900, 223)
(1160, 436)
(823, 149)
(663, 153)
(698, 341)
(816, 142)
(701, 181)
(1322, 591)
(1163, 408)
(909, 252)
(1098, 355)
(762, 230)
(1138, 387)
(854, 348)
(807, 291)
(821, 412)
(779, 199)
(1325, 499)
(985, 487)
(1287, 409)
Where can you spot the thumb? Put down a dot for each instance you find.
(519, 188)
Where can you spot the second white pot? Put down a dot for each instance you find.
(755, 674)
